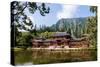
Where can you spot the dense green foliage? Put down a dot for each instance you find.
(46, 34)
(24, 40)
(92, 27)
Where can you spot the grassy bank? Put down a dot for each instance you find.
(56, 49)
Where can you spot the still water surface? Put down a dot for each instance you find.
(44, 56)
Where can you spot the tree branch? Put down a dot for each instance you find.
(21, 10)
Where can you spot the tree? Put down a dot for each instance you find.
(93, 9)
(20, 21)
(18, 16)
(92, 26)
(25, 40)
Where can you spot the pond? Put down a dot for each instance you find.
(46, 56)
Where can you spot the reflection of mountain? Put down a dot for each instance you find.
(74, 26)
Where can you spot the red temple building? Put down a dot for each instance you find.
(61, 40)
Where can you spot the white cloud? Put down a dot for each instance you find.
(32, 18)
(68, 11)
(29, 15)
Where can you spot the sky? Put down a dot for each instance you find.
(57, 12)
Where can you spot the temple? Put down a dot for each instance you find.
(61, 40)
